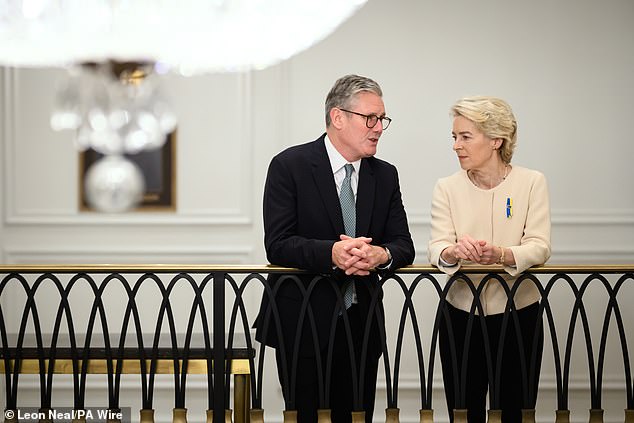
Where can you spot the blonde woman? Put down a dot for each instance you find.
(489, 212)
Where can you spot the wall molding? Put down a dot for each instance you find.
(599, 217)
(228, 217)
(71, 254)
(547, 382)
(592, 255)
(8, 134)
(407, 383)
(559, 217)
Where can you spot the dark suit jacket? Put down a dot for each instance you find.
(302, 221)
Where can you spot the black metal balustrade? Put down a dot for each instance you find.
(180, 320)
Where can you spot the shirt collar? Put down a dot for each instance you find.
(337, 161)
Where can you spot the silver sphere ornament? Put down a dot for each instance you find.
(114, 184)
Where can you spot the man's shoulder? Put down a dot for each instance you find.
(299, 151)
(380, 165)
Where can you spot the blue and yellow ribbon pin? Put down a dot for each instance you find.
(509, 207)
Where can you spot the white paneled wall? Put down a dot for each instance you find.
(566, 67)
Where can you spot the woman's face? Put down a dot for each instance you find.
(475, 150)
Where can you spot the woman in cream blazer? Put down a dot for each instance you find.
(490, 212)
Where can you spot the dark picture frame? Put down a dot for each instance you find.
(159, 171)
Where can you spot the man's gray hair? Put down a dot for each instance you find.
(343, 92)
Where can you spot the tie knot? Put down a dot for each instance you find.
(349, 169)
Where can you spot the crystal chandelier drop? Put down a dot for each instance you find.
(115, 108)
(116, 50)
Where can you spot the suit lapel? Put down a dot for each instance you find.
(324, 179)
(365, 197)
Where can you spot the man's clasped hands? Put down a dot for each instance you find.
(356, 256)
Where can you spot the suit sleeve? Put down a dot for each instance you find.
(284, 247)
(443, 232)
(397, 237)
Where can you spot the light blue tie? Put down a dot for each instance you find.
(349, 212)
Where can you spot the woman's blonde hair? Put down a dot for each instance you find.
(494, 117)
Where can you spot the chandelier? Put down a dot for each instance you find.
(116, 50)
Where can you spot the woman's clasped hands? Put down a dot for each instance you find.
(476, 251)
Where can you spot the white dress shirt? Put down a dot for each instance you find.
(338, 163)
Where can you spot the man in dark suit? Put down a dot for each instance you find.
(334, 210)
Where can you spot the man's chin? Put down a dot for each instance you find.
(369, 153)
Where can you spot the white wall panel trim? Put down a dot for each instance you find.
(593, 216)
(593, 256)
(8, 135)
(560, 217)
(202, 218)
(547, 383)
(138, 254)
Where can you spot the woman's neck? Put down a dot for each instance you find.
(489, 178)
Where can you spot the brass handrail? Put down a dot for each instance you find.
(267, 268)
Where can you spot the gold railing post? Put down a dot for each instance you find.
(79, 416)
(528, 415)
(358, 417)
(562, 416)
(391, 415)
(147, 415)
(179, 415)
(241, 396)
(256, 415)
(426, 416)
(596, 415)
(10, 416)
(46, 413)
(629, 416)
(323, 416)
(114, 412)
(459, 415)
(210, 416)
(290, 416)
(494, 416)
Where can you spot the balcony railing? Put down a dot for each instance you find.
(181, 319)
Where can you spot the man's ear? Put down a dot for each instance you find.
(336, 117)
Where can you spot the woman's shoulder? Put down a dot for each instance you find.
(526, 173)
(456, 182)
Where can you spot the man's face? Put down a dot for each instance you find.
(358, 141)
